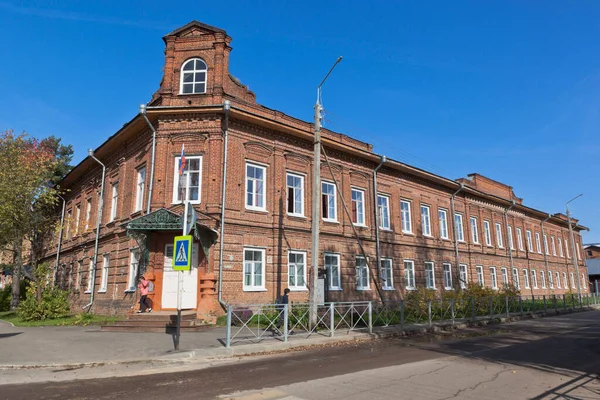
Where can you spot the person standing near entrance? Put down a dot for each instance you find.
(144, 289)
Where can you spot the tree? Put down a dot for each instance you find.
(29, 172)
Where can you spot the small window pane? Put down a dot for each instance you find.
(188, 78)
(189, 66)
(188, 88)
(200, 64)
(199, 88)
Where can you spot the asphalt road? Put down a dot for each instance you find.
(545, 358)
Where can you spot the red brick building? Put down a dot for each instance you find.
(267, 230)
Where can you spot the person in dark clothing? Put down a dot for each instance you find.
(281, 303)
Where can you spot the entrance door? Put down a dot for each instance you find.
(170, 277)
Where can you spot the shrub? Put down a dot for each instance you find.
(6, 295)
(41, 301)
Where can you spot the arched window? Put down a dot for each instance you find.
(193, 77)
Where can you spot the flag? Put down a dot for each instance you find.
(182, 160)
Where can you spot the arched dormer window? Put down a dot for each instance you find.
(193, 77)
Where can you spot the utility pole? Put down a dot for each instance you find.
(316, 197)
(575, 260)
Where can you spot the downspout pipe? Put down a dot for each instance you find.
(151, 184)
(457, 273)
(545, 253)
(376, 210)
(62, 220)
(226, 107)
(509, 239)
(98, 220)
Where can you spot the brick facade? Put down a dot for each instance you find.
(280, 144)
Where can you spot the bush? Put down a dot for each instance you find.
(6, 295)
(41, 301)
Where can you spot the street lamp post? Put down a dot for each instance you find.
(575, 260)
(316, 195)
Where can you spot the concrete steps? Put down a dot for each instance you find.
(161, 322)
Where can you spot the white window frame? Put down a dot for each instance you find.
(560, 248)
(134, 264)
(504, 272)
(294, 266)
(529, 240)
(565, 280)
(194, 71)
(140, 188)
(77, 218)
(443, 221)
(474, 230)
(464, 276)
(573, 281)
(553, 243)
(104, 276)
(329, 219)
(487, 233)
(256, 193)
(567, 248)
(177, 179)
(577, 247)
(294, 212)
(480, 275)
(558, 283)
(458, 227)
(387, 272)
(362, 274)
(538, 242)
(328, 267)
(447, 276)
(90, 272)
(383, 207)
(526, 278)
(406, 216)
(520, 239)
(359, 202)
(88, 213)
(426, 220)
(114, 201)
(494, 278)
(409, 274)
(534, 279)
(511, 242)
(550, 279)
(499, 240)
(430, 275)
(516, 281)
(546, 249)
(543, 278)
(253, 287)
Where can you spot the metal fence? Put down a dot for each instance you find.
(255, 323)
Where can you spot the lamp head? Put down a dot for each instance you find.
(142, 109)
(91, 152)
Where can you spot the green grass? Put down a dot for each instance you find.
(83, 319)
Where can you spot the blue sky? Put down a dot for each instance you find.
(508, 89)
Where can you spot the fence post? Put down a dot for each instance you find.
(521, 305)
(429, 312)
(228, 329)
(507, 309)
(555, 305)
(545, 305)
(285, 322)
(491, 307)
(402, 313)
(452, 310)
(473, 308)
(331, 319)
(370, 317)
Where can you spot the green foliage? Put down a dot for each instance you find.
(6, 293)
(42, 301)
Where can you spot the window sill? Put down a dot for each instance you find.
(431, 288)
(129, 291)
(255, 289)
(300, 216)
(87, 292)
(411, 288)
(389, 289)
(257, 210)
(298, 289)
(331, 221)
(363, 289)
(193, 202)
(102, 291)
(448, 288)
(135, 214)
(428, 236)
(446, 239)
(385, 229)
(360, 225)
(335, 289)
(408, 233)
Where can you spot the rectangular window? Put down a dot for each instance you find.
(526, 278)
(425, 220)
(493, 277)
(480, 278)
(546, 249)
(104, 279)
(68, 223)
(538, 242)
(567, 248)
(464, 278)
(329, 202)
(193, 167)
(295, 194)
(550, 280)
(458, 223)
(558, 280)
(255, 187)
(474, 232)
(520, 239)
(543, 278)
(386, 274)
(297, 270)
(140, 187)
(332, 265)
(499, 235)
(362, 274)
(504, 277)
(511, 243)
(77, 218)
(429, 275)
(515, 273)
(565, 281)
(487, 233)
(90, 276)
(383, 207)
(573, 281)
(134, 260)
(88, 213)
(447, 276)
(254, 269)
(553, 246)
(529, 241)
(560, 247)
(115, 201)
(534, 279)
(578, 251)
(409, 274)
(443, 220)
(406, 221)
(358, 207)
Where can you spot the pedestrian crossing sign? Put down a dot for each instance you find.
(182, 256)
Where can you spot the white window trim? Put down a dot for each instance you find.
(433, 286)
(479, 268)
(546, 249)
(443, 222)
(526, 278)
(88, 213)
(264, 191)
(511, 241)
(362, 223)
(487, 232)
(460, 234)
(366, 268)
(194, 71)
(140, 189)
(558, 283)
(534, 279)
(339, 272)
(77, 218)
(538, 242)
(295, 175)
(335, 211)
(474, 230)
(387, 208)
(553, 242)
(90, 280)
(298, 288)
(114, 201)
(409, 230)
(529, 236)
(414, 278)
(515, 272)
(132, 270)
(253, 288)
(499, 240)
(504, 272)
(464, 284)
(104, 276)
(543, 278)
(428, 225)
(551, 279)
(385, 285)
(494, 278)
(520, 239)
(444, 265)
(176, 179)
(560, 248)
